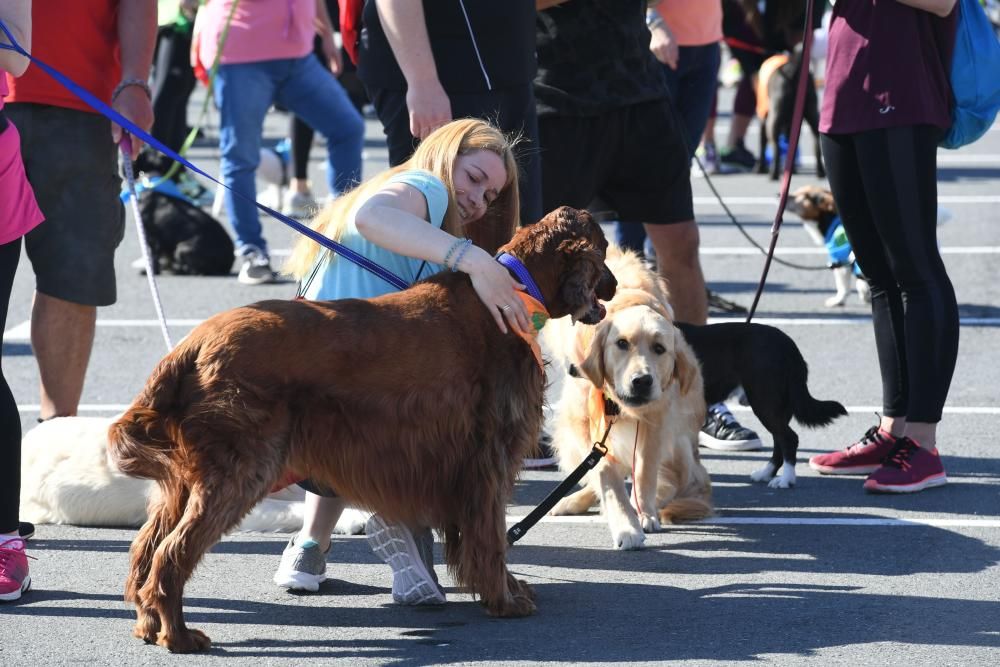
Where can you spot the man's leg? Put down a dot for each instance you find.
(72, 165)
(677, 260)
(62, 334)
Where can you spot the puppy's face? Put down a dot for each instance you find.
(813, 204)
(633, 357)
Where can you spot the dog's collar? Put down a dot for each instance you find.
(611, 408)
(515, 266)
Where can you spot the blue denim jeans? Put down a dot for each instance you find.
(244, 92)
(691, 86)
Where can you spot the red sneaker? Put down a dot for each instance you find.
(908, 468)
(14, 578)
(861, 458)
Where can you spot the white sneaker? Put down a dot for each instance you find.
(256, 269)
(300, 205)
(413, 579)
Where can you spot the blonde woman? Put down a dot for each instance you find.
(449, 207)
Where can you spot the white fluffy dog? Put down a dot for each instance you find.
(66, 479)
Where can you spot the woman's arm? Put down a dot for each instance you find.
(395, 219)
(939, 7)
(16, 15)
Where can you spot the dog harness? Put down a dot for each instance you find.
(838, 247)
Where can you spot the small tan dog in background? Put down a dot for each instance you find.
(641, 362)
(66, 479)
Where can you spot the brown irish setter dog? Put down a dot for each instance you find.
(412, 404)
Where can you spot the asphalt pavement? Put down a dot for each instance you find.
(822, 573)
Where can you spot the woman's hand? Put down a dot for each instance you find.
(496, 289)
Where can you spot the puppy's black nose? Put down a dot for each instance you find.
(642, 383)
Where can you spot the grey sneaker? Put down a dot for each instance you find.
(301, 568)
(722, 431)
(411, 558)
(256, 269)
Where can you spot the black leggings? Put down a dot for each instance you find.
(885, 185)
(10, 420)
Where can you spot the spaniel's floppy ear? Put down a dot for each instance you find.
(592, 365)
(686, 368)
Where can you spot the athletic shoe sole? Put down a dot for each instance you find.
(395, 546)
(934, 480)
(299, 581)
(16, 595)
(708, 442)
(832, 470)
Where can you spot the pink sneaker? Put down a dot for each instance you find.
(908, 468)
(14, 577)
(861, 458)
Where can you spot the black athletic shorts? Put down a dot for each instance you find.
(633, 159)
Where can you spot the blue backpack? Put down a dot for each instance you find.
(975, 76)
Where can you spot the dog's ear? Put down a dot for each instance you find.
(592, 365)
(686, 368)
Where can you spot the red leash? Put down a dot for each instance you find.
(793, 145)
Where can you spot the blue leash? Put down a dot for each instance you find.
(130, 127)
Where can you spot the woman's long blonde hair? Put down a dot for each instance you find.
(436, 154)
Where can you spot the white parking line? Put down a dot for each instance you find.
(787, 521)
(807, 250)
(772, 201)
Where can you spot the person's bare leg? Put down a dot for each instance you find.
(319, 518)
(894, 425)
(924, 433)
(738, 130)
(677, 259)
(300, 185)
(62, 335)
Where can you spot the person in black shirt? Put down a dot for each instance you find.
(426, 63)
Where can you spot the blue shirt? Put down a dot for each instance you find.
(339, 278)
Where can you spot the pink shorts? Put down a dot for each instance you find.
(19, 212)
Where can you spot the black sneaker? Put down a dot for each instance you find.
(26, 530)
(722, 431)
(543, 458)
(737, 158)
(718, 303)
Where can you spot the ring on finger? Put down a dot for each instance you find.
(505, 307)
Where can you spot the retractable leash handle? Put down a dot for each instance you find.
(793, 145)
(150, 140)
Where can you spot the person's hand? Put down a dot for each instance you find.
(429, 107)
(664, 46)
(133, 103)
(332, 54)
(496, 289)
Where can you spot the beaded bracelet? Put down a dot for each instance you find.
(466, 244)
(125, 83)
(451, 251)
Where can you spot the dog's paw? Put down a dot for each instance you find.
(764, 473)
(785, 480)
(352, 522)
(563, 507)
(836, 300)
(650, 524)
(628, 539)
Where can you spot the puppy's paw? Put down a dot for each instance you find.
(564, 507)
(627, 539)
(650, 524)
(764, 473)
(836, 300)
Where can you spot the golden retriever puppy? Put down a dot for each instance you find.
(640, 362)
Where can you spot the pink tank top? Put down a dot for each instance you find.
(19, 212)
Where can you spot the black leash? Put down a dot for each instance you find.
(518, 530)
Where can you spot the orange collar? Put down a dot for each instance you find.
(538, 316)
(598, 418)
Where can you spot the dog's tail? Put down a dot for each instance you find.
(810, 411)
(142, 442)
(680, 510)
